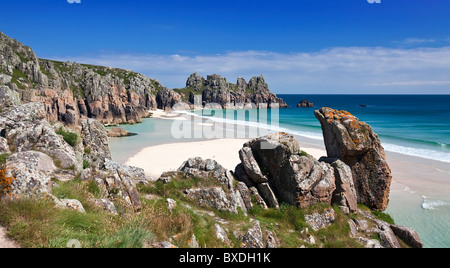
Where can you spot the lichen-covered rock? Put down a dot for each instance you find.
(72, 204)
(250, 165)
(290, 177)
(318, 221)
(345, 194)
(116, 181)
(4, 147)
(356, 144)
(214, 197)
(253, 238)
(106, 205)
(95, 142)
(26, 128)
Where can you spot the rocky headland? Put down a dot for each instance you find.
(216, 90)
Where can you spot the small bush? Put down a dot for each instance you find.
(69, 137)
(86, 164)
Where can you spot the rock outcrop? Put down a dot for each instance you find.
(274, 165)
(305, 104)
(72, 91)
(215, 89)
(355, 143)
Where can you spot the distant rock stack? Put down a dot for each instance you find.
(305, 104)
(216, 90)
(355, 143)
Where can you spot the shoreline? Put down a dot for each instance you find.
(169, 157)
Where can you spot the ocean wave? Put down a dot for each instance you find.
(418, 152)
(428, 204)
(405, 150)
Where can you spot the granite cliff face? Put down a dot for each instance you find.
(72, 91)
(216, 89)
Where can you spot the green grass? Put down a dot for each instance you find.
(70, 137)
(3, 158)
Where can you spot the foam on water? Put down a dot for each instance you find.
(432, 204)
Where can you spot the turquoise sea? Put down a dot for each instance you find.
(414, 126)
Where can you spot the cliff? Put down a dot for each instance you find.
(215, 89)
(72, 91)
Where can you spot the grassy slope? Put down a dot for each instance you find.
(34, 223)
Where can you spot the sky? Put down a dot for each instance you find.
(299, 46)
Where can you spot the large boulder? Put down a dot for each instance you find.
(355, 143)
(224, 196)
(26, 128)
(31, 171)
(116, 181)
(290, 176)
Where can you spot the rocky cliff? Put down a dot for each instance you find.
(216, 89)
(72, 91)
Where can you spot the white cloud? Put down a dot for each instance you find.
(416, 41)
(336, 70)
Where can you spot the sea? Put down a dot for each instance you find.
(416, 126)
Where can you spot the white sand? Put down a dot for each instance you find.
(161, 114)
(168, 157)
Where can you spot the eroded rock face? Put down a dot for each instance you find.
(356, 144)
(290, 177)
(218, 93)
(26, 128)
(72, 91)
(95, 142)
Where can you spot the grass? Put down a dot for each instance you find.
(70, 137)
(37, 223)
(3, 158)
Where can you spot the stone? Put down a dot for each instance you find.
(28, 182)
(193, 243)
(251, 166)
(407, 235)
(214, 197)
(117, 132)
(355, 143)
(253, 238)
(106, 205)
(33, 160)
(4, 147)
(268, 195)
(319, 221)
(271, 242)
(221, 234)
(171, 204)
(95, 142)
(120, 181)
(71, 204)
(345, 188)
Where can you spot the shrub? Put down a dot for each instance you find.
(86, 164)
(69, 137)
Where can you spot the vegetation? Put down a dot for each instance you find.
(70, 137)
(37, 223)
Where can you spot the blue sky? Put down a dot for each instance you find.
(300, 46)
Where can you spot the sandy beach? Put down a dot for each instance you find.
(168, 157)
